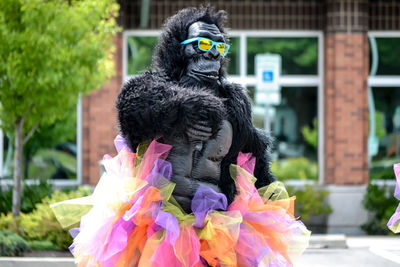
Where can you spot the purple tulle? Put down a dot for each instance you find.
(162, 169)
(74, 232)
(170, 223)
(204, 200)
(395, 217)
(397, 189)
(120, 143)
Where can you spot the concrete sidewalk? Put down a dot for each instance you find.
(324, 251)
(361, 251)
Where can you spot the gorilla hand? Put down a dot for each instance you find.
(198, 133)
(204, 114)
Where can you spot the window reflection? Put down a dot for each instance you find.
(387, 120)
(234, 56)
(389, 56)
(140, 50)
(294, 129)
(299, 55)
(51, 153)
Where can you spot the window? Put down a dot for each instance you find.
(387, 130)
(384, 105)
(52, 153)
(389, 55)
(140, 50)
(299, 55)
(295, 122)
(295, 130)
(234, 57)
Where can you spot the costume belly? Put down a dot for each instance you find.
(192, 167)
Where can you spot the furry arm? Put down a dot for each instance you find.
(260, 147)
(149, 106)
(247, 138)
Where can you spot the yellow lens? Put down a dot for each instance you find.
(205, 44)
(221, 48)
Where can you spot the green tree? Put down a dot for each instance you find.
(50, 51)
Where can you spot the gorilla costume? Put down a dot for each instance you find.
(202, 126)
(186, 101)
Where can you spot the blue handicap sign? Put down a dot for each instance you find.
(268, 76)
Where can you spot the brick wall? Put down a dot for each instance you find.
(100, 121)
(346, 108)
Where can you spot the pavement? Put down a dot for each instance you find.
(360, 251)
(324, 251)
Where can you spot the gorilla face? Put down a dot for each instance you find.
(203, 66)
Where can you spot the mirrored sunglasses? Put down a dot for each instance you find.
(206, 44)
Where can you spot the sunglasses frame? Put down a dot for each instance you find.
(191, 40)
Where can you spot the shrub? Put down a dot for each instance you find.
(381, 203)
(42, 245)
(31, 195)
(310, 201)
(12, 244)
(41, 224)
(382, 169)
(5, 200)
(295, 168)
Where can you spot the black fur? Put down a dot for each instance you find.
(157, 104)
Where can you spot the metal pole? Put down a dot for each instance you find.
(267, 120)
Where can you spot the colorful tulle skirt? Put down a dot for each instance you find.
(394, 222)
(132, 218)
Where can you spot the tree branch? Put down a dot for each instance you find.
(31, 132)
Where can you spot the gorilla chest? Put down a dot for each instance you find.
(195, 163)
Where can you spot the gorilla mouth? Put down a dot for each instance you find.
(210, 75)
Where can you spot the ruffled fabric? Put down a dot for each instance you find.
(394, 222)
(135, 221)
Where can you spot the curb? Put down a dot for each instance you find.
(328, 241)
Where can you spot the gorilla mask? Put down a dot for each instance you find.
(204, 66)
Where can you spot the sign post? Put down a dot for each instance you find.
(268, 70)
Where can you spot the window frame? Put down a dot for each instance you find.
(250, 80)
(383, 81)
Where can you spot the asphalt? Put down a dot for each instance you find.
(324, 251)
